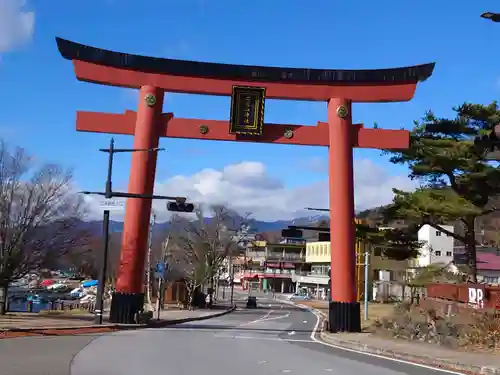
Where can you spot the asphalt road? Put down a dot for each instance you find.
(273, 339)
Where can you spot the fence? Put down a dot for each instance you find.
(474, 295)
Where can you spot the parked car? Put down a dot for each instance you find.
(252, 302)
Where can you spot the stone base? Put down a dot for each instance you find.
(125, 307)
(344, 317)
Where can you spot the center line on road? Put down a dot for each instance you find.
(264, 339)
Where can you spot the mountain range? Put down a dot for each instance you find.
(255, 225)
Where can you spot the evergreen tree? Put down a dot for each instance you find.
(394, 243)
(457, 180)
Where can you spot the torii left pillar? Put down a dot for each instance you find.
(128, 297)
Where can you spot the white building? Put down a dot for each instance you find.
(437, 247)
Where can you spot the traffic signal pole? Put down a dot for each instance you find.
(179, 203)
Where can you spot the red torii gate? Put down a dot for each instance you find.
(155, 76)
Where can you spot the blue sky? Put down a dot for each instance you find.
(40, 95)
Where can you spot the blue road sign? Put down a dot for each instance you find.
(160, 270)
(160, 267)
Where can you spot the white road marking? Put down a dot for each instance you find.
(315, 331)
(264, 338)
(272, 318)
(291, 333)
(304, 321)
(328, 369)
(262, 362)
(287, 370)
(256, 320)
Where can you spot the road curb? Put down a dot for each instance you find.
(103, 328)
(413, 358)
(417, 359)
(160, 324)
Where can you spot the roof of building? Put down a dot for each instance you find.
(486, 260)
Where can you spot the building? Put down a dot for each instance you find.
(316, 280)
(381, 269)
(487, 263)
(384, 269)
(271, 266)
(437, 246)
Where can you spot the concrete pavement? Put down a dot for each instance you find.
(274, 339)
(52, 355)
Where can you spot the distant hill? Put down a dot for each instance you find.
(255, 225)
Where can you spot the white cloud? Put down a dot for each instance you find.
(247, 187)
(16, 24)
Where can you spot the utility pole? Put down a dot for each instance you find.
(231, 278)
(120, 311)
(366, 282)
(148, 265)
(159, 298)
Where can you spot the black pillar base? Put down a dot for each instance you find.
(125, 306)
(344, 317)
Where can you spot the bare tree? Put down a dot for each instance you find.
(39, 217)
(199, 247)
(87, 259)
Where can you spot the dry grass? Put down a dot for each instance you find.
(376, 311)
(468, 329)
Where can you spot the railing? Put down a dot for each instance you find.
(316, 274)
(280, 257)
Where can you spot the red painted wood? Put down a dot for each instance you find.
(172, 127)
(193, 85)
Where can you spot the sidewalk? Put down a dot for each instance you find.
(417, 352)
(33, 324)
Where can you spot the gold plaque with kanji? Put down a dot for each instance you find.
(247, 110)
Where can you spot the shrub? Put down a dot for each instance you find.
(467, 328)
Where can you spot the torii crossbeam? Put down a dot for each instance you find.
(154, 76)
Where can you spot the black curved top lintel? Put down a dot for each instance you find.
(75, 51)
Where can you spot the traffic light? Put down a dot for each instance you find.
(291, 233)
(488, 142)
(180, 207)
(323, 236)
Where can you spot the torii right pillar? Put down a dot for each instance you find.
(344, 307)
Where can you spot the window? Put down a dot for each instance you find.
(490, 279)
(437, 253)
(449, 254)
(377, 252)
(438, 233)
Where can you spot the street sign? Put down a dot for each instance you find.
(160, 270)
(112, 205)
(160, 267)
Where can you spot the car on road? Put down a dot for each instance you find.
(299, 297)
(251, 302)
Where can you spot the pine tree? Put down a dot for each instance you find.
(394, 243)
(457, 181)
